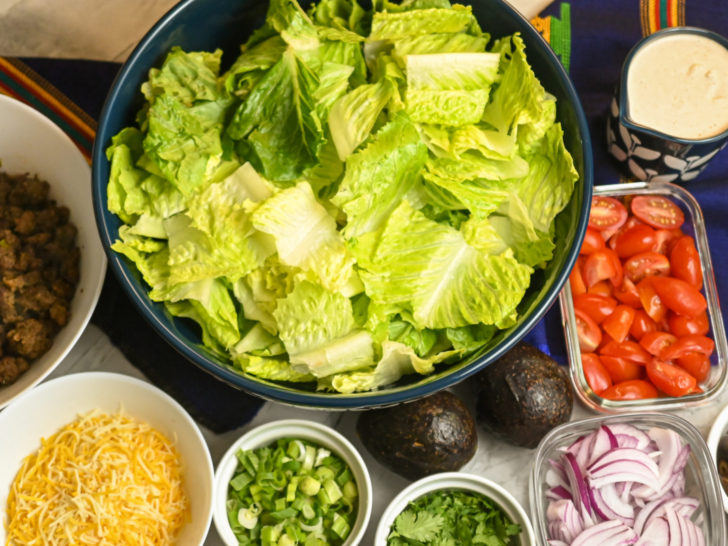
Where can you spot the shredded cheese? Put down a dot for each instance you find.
(102, 480)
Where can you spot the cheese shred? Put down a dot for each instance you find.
(102, 480)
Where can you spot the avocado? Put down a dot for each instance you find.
(522, 396)
(430, 435)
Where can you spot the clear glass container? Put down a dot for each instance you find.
(695, 226)
(701, 476)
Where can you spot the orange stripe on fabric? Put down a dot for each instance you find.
(47, 97)
(655, 15)
(672, 13)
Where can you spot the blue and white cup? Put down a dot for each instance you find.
(648, 154)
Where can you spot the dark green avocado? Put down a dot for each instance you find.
(430, 435)
(522, 396)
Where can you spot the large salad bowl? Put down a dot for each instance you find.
(204, 25)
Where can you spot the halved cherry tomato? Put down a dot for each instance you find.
(631, 222)
(636, 389)
(638, 239)
(657, 211)
(670, 379)
(588, 332)
(666, 239)
(606, 213)
(617, 324)
(595, 373)
(576, 279)
(685, 262)
(621, 369)
(602, 288)
(644, 264)
(631, 350)
(597, 306)
(651, 302)
(680, 325)
(627, 294)
(656, 342)
(642, 324)
(602, 265)
(679, 296)
(593, 241)
(688, 344)
(696, 364)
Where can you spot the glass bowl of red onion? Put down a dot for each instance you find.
(642, 479)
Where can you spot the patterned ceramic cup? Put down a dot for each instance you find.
(648, 154)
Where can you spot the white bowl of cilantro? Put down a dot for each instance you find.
(292, 482)
(454, 508)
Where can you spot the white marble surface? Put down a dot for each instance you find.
(505, 464)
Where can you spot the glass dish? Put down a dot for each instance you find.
(701, 476)
(695, 226)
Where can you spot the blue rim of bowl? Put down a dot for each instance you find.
(333, 401)
(623, 103)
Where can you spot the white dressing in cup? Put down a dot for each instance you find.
(678, 85)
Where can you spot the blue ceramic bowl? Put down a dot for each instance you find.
(209, 24)
(646, 154)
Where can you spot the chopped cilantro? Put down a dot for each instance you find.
(452, 517)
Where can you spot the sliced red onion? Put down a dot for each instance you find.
(578, 487)
(565, 523)
(558, 493)
(625, 494)
(655, 534)
(602, 442)
(608, 504)
(624, 464)
(645, 515)
(606, 533)
(629, 436)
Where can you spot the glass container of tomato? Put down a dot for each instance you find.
(641, 317)
(609, 452)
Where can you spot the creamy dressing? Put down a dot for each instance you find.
(678, 85)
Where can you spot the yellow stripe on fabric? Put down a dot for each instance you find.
(654, 23)
(543, 26)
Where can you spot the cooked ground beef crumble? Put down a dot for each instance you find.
(39, 271)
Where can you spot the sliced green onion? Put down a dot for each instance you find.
(291, 492)
(240, 481)
(247, 518)
(340, 526)
(333, 490)
(349, 490)
(309, 458)
(310, 486)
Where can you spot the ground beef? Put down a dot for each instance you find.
(39, 271)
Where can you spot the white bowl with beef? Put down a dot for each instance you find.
(31, 144)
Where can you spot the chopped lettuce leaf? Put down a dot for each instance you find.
(379, 176)
(430, 268)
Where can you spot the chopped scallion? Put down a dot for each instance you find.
(291, 492)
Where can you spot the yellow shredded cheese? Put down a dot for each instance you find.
(103, 480)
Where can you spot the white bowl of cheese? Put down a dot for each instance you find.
(156, 466)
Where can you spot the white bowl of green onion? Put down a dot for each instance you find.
(442, 508)
(292, 482)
